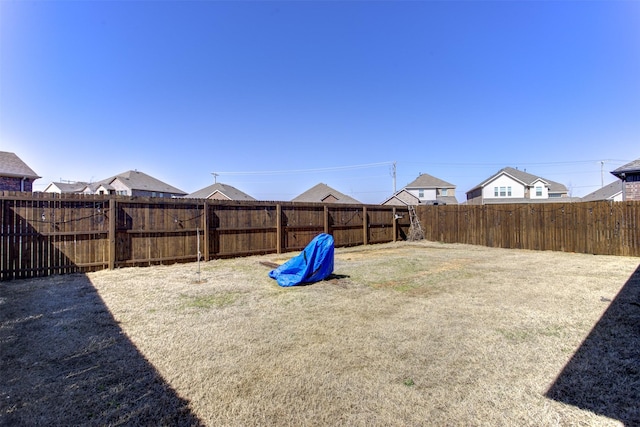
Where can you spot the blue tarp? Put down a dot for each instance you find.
(314, 263)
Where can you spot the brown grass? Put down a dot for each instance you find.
(402, 334)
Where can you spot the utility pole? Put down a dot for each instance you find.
(393, 174)
(215, 177)
(602, 174)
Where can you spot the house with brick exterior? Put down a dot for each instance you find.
(15, 175)
(629, 175)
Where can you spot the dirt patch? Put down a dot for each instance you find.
(402, 334)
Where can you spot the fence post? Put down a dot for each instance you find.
(395, 225)
(278, 228)
(326, 219)
(6, 246)
(365, 226)
(112, 232)
(205, 226)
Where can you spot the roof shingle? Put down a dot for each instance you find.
(608, 192)
(321, 192)
(228, 191)
(136, 180)
(631, 167)
(12, 165)
(425, 180)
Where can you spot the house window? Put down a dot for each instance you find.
(538, 191)
(443, 191)
(509, 191)
(495, 191)
(421, 194)
(503, 191)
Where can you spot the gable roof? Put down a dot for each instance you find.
(320, 192)
(11, 165)
(525, 178)
(136, 180)
(228, 191)
(608, 192)
(402, 198)
(631, 167)
(68, 187)
(425, 180)
(92, 187)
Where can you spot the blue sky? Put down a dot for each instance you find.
(301, 92)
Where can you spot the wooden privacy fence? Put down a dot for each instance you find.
(44, 234)
(601, 228)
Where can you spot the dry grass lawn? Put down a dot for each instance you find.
(403, 334)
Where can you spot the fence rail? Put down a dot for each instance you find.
(44, 234)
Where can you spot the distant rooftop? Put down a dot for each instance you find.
(136, 180)
(228, 191)
(11, 165)
(322, 193)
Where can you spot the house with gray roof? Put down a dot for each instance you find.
(322, 193)
(134, 183)
(66, 187)
(629, 175)
(425, 189)
(15, 175)
(610, 192)
(511, 185)
(220, 191)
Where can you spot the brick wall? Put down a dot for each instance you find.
(8, 183)
(632, 190)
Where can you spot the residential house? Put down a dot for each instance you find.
(220, 191)
(511, 185)
(322, 193)
(629, 174)
(134, 183)
(425, 189)
(612, 192)
(65, 187)
(15, 175)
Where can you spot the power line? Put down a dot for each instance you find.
(568, 162)
(294, 171)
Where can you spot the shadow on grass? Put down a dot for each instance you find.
(603, 376)
(66, 361)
